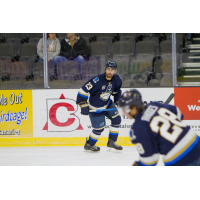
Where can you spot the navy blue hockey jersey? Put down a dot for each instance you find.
(99, 90)
(159, 129)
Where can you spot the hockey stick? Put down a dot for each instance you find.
(171, 96)
(101, 110)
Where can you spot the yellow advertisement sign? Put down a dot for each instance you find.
(16, 116)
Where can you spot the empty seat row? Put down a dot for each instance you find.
(124, 67)
(143, 49)
(14, 70)
(25, 52)
(89, 37)
(126, 47)
(17, 75)
(68, 72)
(109, 37)
(39, 35)
(21, 35)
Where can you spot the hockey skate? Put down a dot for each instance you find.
(113, 146)
(89, 148)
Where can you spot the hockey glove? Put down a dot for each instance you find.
(116, 103)
(84, 108)
(136, 164)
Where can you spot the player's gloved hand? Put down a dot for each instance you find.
(84, 108)
(136, 164)
(116, 103)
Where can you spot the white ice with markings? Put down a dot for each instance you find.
(66, 156)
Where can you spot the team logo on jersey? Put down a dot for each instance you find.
(103, 87)
(109, 88)
(105, 96)
(96, 79)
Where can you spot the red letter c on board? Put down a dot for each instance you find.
(52, 114)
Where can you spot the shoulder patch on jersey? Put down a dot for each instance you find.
(96, 80)
(103, 87)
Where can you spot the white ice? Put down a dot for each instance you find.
(66, 156)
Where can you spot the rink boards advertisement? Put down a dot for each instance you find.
(16, 117)
(52, 117)
(58, 116)
(187, 99)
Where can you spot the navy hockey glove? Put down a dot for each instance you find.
(84, 108)
(136, 164)
(116, 103)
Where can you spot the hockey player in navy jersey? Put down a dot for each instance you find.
(158, 128)
(95, 94)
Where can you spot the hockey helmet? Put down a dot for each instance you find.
(129, 98)
(111, 64)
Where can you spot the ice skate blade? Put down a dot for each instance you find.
(109, 149)
(89, 151)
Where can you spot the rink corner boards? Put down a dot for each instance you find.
(56, 141)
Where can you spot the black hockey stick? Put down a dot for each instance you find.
(171, 96)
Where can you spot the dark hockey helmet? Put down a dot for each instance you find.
(111, 64)
(129, 98)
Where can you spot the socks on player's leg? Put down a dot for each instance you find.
(94, 136)
(114, 132)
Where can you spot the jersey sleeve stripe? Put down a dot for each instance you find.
(185, 145)
(81, 91)
(146, 164)
(115, 115)
(150, 160)
(86, 96)
(184, 153)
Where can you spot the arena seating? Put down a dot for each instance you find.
(133, 53)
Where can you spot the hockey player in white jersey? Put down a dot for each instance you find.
(158, 128)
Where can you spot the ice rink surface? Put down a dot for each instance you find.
(66, 156)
